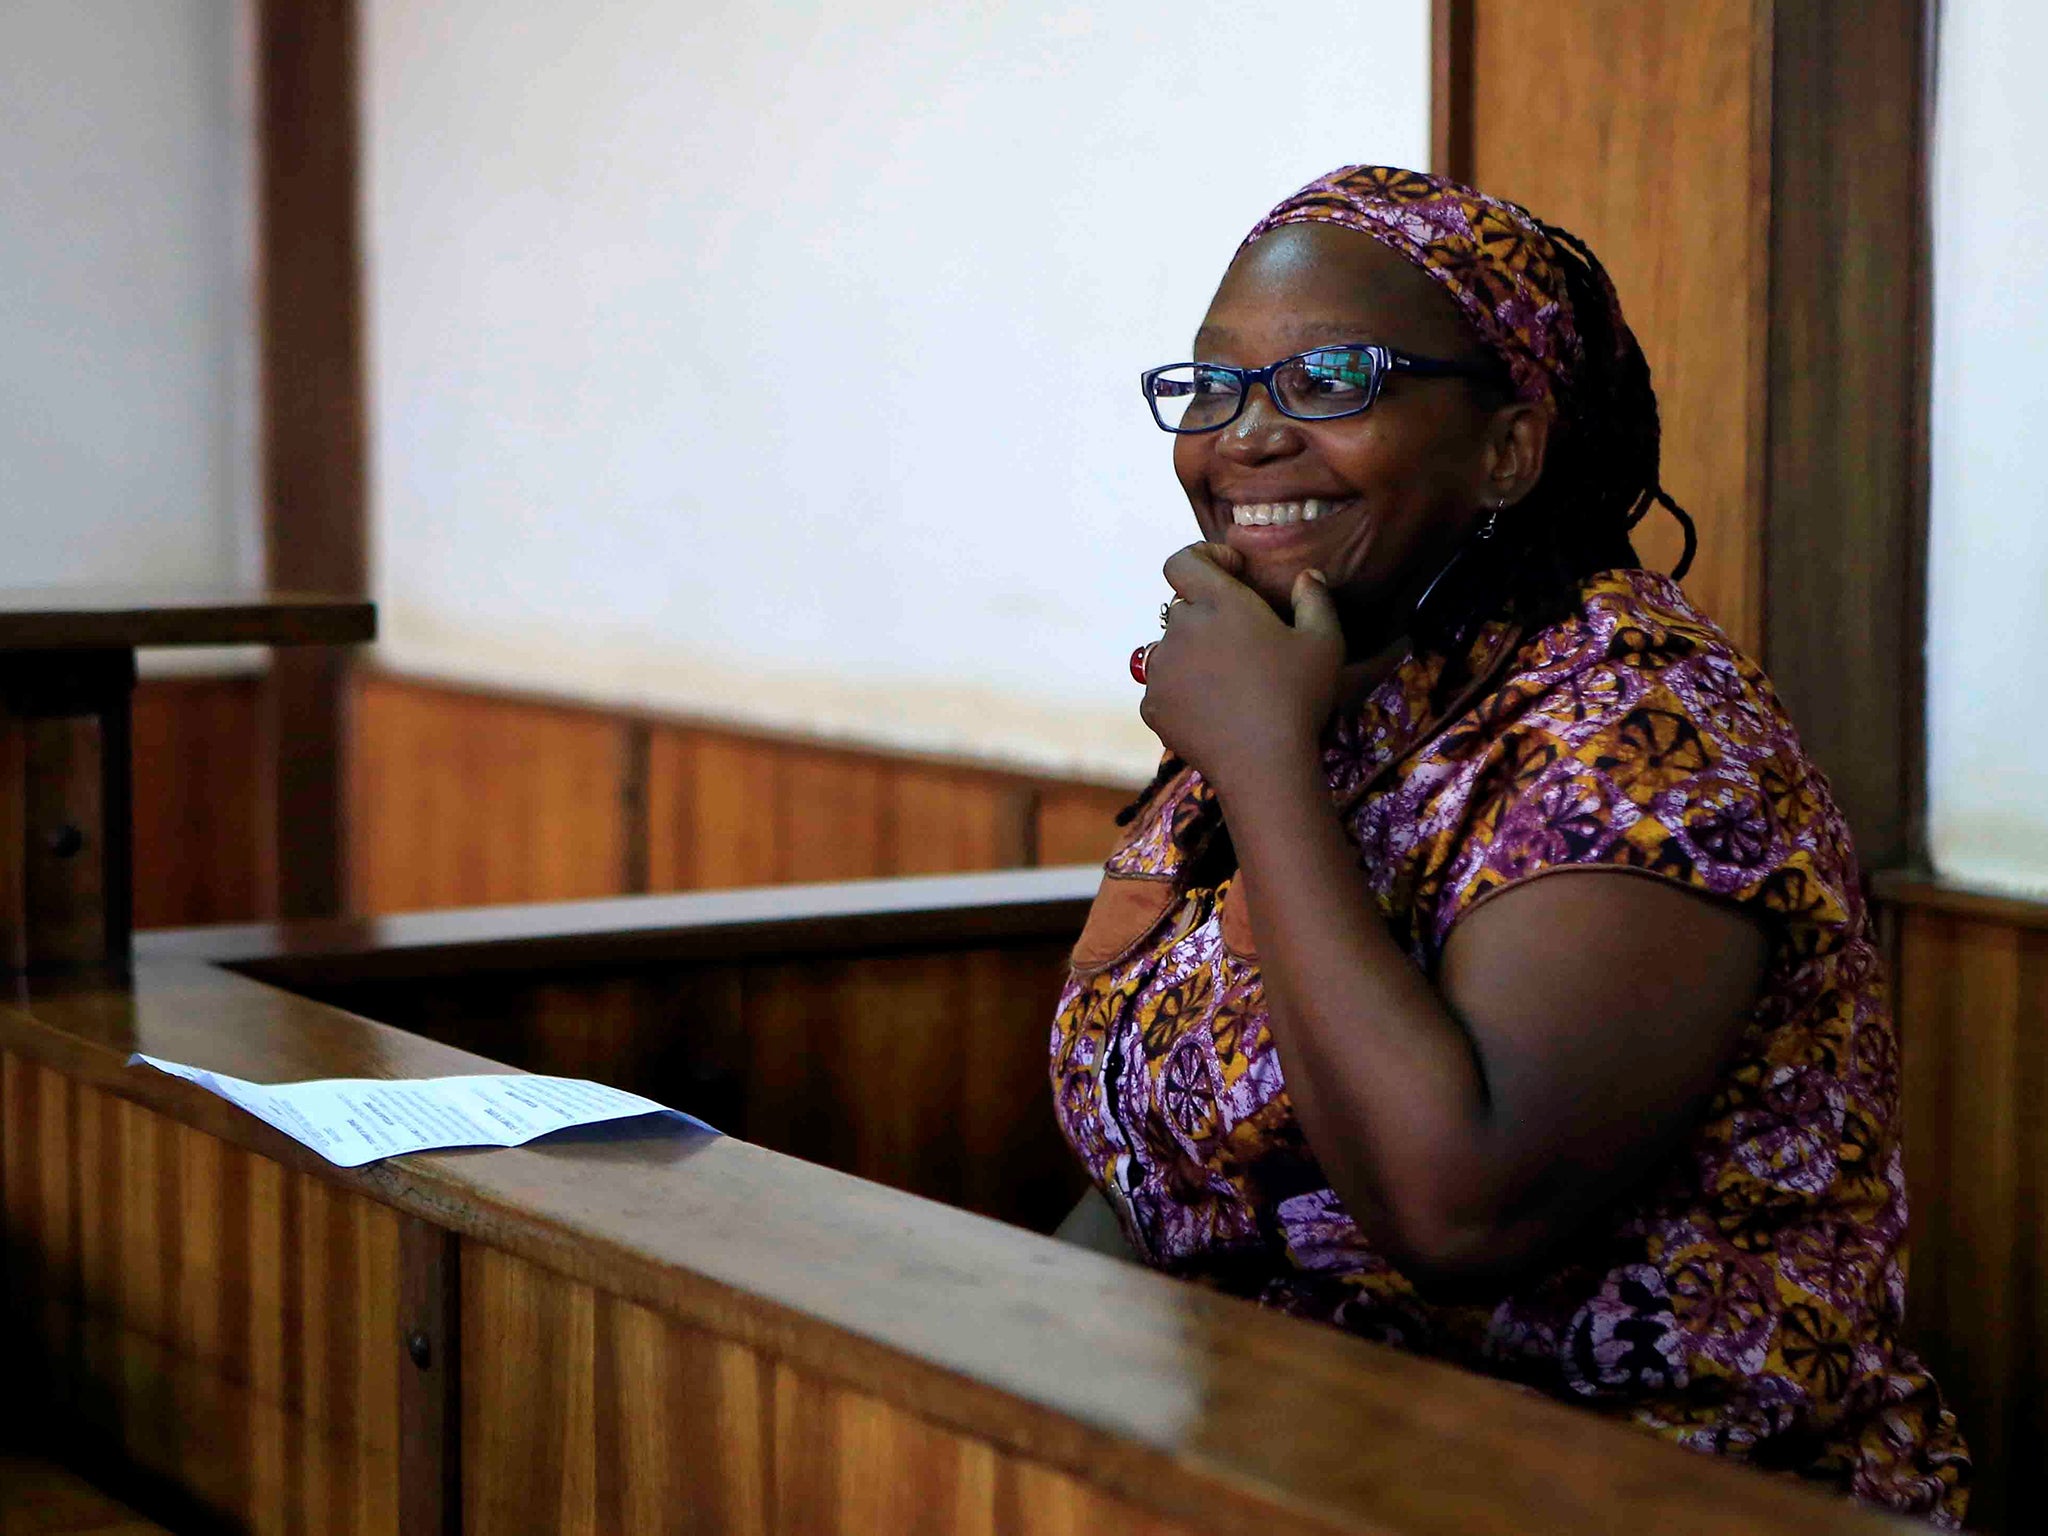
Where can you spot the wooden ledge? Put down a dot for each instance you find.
(857, 916)
(1198, 1406)
(1924, 891)
(39, 1498)
(94, 618)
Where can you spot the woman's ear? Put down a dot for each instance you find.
(1517, 436)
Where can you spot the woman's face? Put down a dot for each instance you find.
(1397, 485)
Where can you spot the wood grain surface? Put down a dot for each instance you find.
(462, 797)
(764, 1013)
(65, 833)
(309, 298)
(38, 1498)
(1450, 88)
(924, 1070)
(195, 1314)
(1846, 496)
(1197, 1408)
(726, 810)
(66, 881)
(1077, 823)
(1920, 891)
(1644, 129)
(1973, 1014)
(199, 801)
(314, 453)
(461, 800)
(578, 1403)
(1753, 176)
(121, 618)
(854, 917)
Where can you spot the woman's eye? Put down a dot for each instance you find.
(1334, 375)
(1325, 381)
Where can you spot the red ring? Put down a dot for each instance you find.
(1138, 663)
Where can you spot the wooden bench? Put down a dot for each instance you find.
(39, 1498)
(669, 1331)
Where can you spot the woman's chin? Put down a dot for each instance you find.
(1274, 581)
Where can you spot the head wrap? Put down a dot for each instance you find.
(1499, 263)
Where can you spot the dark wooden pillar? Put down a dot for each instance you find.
(1846, 509)
(67, 682)
(64, 809)
(1450, 88)
(1752, 173)
(313, 422)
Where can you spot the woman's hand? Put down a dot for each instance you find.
(1233, 688)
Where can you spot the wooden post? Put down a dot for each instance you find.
(310, 303)
(67, 684)
(429, 1390)
(1752, 174)
(64, 809)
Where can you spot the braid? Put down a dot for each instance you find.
(1600, 476)
(1209, 856)
(1168, 770)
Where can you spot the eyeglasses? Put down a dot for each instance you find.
(1318, 385)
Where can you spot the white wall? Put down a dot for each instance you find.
(124, 313)
(778, 362)
(1987, 632)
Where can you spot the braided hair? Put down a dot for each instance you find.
(1600, 479)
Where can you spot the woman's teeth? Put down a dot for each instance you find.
(1277, 514)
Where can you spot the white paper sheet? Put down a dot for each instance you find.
(355, 1120)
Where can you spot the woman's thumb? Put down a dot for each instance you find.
(1314, 612)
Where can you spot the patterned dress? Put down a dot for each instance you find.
(1748, 1298)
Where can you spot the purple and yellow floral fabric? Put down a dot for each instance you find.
(1748, 1298)
(1498, 262)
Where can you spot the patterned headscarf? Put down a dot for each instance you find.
(1497, 261)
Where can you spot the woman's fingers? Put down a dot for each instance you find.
(1199, 572)
(1314, 612)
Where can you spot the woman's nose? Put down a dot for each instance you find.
(1259, 433)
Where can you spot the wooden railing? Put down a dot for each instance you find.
(1971, 980)
(894, 1029)
(668, 1331)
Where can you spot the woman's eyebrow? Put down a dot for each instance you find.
(1299, 333)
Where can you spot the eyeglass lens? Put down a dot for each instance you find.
(1335, 381)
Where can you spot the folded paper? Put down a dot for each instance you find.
(355, 1120)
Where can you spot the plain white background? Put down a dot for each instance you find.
(779, 362)
(126, 449)
(1987, 609)
(617, 258)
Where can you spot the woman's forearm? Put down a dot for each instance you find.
(1385, 1080)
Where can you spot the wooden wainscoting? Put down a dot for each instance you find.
(1664, 178)
(1972, 978)
(728, 811)
(200, 803)
(459, 800)
(462, 797)
(575, 1402)
(194, 1316)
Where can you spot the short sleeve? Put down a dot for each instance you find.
(1640, 740)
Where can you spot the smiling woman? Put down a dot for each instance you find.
(1631, 1141)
